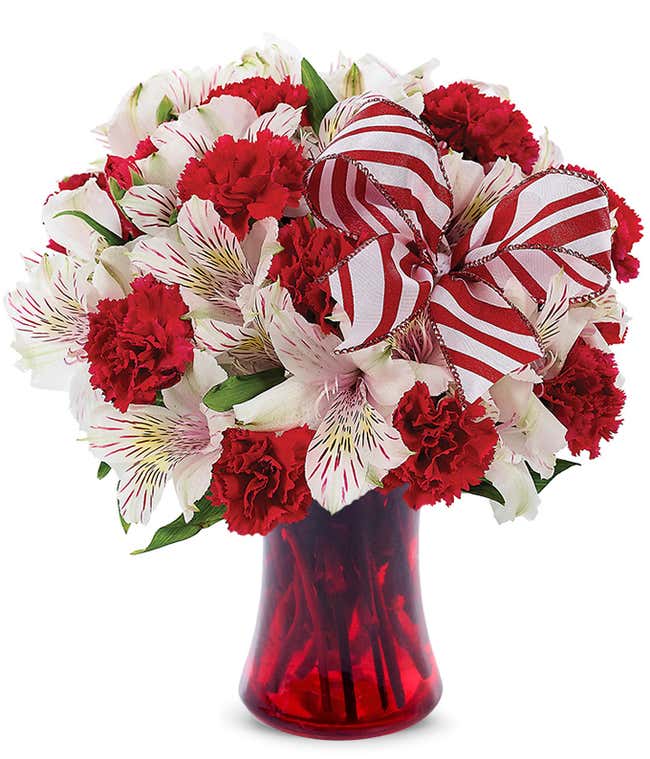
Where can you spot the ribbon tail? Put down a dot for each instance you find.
(482, 335)
(380, 287)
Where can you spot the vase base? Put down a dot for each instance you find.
(340, 731)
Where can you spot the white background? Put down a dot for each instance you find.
(540, 629)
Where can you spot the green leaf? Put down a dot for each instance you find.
(486, 489)
(239, 389)
(103, 470)
(205, 516)
(321, 98)
(123, 522)
(116, 191)
(164, 110)
(110, 237)
(173, 216)
(561, 465)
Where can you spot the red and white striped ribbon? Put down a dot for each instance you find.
(382, 181)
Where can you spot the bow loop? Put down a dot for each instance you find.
(382, 174)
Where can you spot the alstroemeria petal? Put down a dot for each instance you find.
(149, 207)
(137, 115)
(259, 246)
(186, 396)
(353, 449)
(528, 428)
(302, 347)
(245, 349)
(513, 481)
(192, 478)
(283, 121)
(290, 404)
(214, 247)
(113, 273)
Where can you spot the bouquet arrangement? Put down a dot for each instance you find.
(280, 286)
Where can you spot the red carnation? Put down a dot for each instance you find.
(584, 397)
(629, 231)
(307, 254)
(453, 447)
(139, 344)
(246, 180)
(482, 127)
(264, 93)
(260, 478)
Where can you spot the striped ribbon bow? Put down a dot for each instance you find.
(382, 181)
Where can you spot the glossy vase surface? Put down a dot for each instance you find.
(341, 647)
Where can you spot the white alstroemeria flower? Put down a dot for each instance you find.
(137, 115)
(549, 154)
(348, 399)
(50, 315)
(73, 233)
(148, 444)
(368, 74)
(218, 277)
(510, 476)
(277, 60)
(526, 426)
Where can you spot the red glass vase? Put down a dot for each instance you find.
(341, 648)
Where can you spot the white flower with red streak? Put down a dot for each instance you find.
(149, 444)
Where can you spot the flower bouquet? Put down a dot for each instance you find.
(317, 303)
